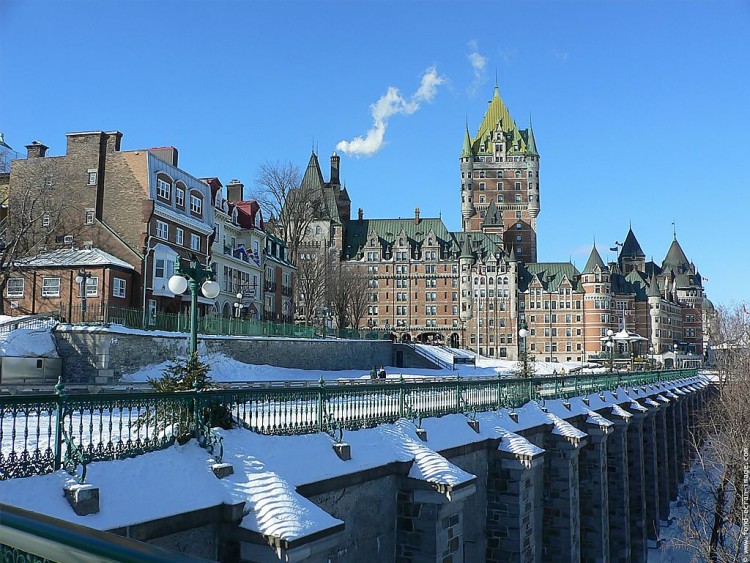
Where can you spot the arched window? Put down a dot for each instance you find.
(317, 230)
(179, 195)
(196, 203)
(164, 187)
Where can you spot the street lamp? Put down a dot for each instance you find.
(611, 346)
(81, 279)
(674, 362)
(196, 275)
(522, 334)
(238, 305)
(651, 357)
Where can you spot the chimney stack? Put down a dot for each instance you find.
(416, 216)
(234, 191)
(360, 214)
(36, 150)
(335, 162)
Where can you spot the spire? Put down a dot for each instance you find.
(631, 248)
(466, 249)
(313, 178)
(493, 217)
(466, 150)
(653, 287)
(496, 113)
(531, 145)
(675, 258)
(594, 260)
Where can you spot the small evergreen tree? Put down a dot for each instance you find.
(530, 365)
(184, 375)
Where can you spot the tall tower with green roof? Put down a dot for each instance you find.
(500, 165)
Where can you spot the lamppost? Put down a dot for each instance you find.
(81, 279)
(522, 334)
(611, 346)
(674, 362)
(238, 305)
(651, 357)
(196, 275)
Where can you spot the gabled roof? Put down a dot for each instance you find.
(493, 217)
(550, 274)
(73, 258)
(631, 248)
(594, 260)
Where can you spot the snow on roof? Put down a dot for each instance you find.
(68, 257)
(662, 398)
(650, 402)
(621, 412)
(28, 343)
(516, 444)
(565, 428)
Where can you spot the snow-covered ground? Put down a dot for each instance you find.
(28, 343)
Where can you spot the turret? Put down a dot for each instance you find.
(532, 162)
(467, 186)
(466, 261)
(654, 299)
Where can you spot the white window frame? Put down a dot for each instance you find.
(179, 196)
(14, 292)
(92, 286)
(45, 220)
(90, 214)
(179, 236)
(195, 242)
(119, 287)
(162, 230)
(196, 205)
(163, 189)
(50, 287)
(91, 176)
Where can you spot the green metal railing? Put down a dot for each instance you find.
(43, 433)
(208, 325)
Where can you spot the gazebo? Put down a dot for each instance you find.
(625, 338)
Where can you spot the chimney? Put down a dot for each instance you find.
(36, 150)
(360, 214)
(167, 154)
(113, 141)
(335, 162)
(416, 216)
(234, 190)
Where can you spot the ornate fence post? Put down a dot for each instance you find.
(458, 393)
(196, 411)
(401, 397)
(60, 392)
(499, 391)
(321, 391)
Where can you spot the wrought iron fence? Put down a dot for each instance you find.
(42, 433)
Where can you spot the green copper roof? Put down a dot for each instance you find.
(594, 260)
(313, 179)
(675, 257)
(496, 113)
(631, 248)
(638, 284)
(653, 287)
(466, 150)
(493, 217)
(550, 274)
(530, 141)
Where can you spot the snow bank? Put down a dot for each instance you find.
(28, 343)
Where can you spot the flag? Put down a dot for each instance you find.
(613, 248)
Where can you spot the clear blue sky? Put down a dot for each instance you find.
(641, 110)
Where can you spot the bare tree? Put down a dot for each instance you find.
(713, 515)
(312, 269)
(37, 215)
(359, 294)
(289, 208)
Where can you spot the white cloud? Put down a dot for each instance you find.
(390, 104)
(479, 66)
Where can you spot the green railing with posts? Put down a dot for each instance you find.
(170, 322)
(42, 433)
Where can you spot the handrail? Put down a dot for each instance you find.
(25, 534)
(115, 425)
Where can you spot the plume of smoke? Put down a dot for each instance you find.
(478, 65)
(391, 103)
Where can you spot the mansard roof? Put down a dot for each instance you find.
(387, 232)
(631, 248)
(594, 260)
(550, 274)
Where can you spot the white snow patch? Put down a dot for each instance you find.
(28, 343)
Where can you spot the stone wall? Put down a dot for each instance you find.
(88, 354)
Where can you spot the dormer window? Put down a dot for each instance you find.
(179, 196)
(196, 204)
(163, 189)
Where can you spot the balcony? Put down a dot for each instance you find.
(286, 291)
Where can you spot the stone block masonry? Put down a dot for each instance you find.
(86, 353)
